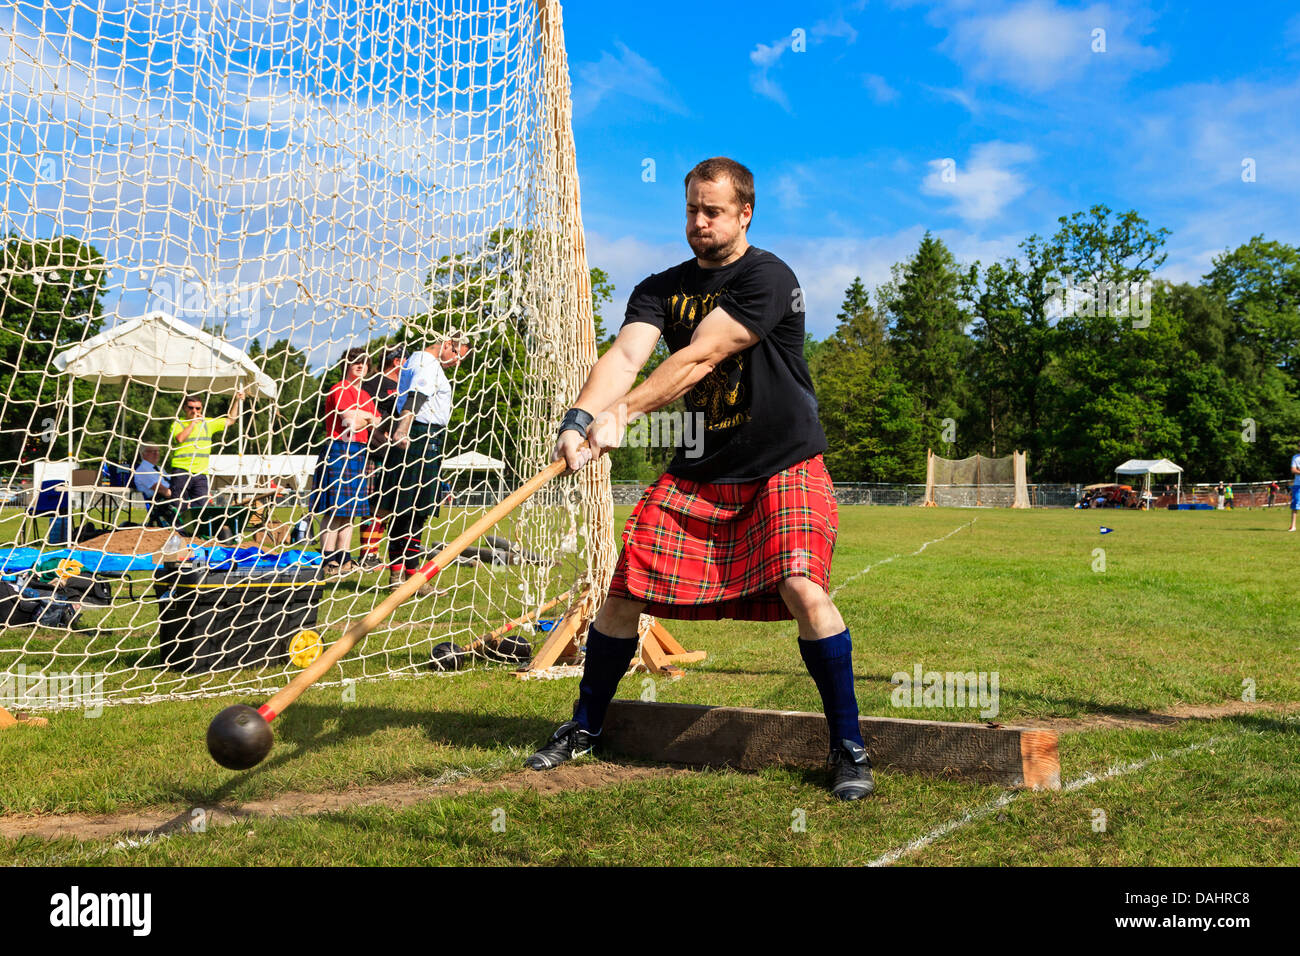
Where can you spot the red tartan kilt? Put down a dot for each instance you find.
(693, 550)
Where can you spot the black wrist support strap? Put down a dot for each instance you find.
(575, 419)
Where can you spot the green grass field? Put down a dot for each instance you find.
(1192, 610)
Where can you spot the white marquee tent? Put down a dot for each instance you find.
(475, 461)
(161, 351)
(1148, 467)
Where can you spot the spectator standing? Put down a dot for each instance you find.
(350, 414)
(424, 409)
(385, 456)
(192, 448)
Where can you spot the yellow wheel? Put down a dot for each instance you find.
(304, 648)
(67, 568)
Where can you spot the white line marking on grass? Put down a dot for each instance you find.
(938, 833)
(859, 574)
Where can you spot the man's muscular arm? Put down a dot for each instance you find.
(716, 339)
(609, 380)
(617, 369)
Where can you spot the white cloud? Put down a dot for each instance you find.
(627, 74)
(985, 184)
(1040, 45)
(766, 57)
(960, 97)
(627, 260)
(764, 85)
(1187, 143)
(836, 27)
(1183, 152)
(880, 89)
(825, 265)
(789, 195)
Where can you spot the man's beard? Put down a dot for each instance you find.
(711, 249)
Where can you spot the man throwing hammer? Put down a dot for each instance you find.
(743, 527)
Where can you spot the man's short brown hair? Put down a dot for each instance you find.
(354, 355)
(720, 167)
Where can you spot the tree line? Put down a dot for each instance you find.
(1071, 352)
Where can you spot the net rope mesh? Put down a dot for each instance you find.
(258, 186)
(977, 481)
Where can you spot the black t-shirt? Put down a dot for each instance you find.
(758, 407)
(384, 391)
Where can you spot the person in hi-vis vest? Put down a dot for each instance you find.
(191, 447)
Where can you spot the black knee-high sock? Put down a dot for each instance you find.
(414, 558)
(398, 527)
(607, 661)
(830, 662)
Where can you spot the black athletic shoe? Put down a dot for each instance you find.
(850, 771)
(568, 741)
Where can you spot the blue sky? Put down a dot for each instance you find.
(847, 136)
(295, 154)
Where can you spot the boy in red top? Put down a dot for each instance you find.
(350, 413)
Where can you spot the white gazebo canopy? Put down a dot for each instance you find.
(475, 461)
(472, 461)
(162, 351)
(1148, 467)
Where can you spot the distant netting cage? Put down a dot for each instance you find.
(976, 482)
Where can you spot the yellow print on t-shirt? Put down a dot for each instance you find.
(719, 392)
(686, 311)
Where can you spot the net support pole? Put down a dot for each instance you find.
(929, 479)
(597, 502)
(72, 381)
(1020, 469)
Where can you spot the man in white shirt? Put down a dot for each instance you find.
(423, 409)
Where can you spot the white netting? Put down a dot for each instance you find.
(210, 198)
(977, 482)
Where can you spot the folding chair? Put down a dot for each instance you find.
(51, 502)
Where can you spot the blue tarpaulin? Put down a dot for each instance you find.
(223, 559)
(24, 559)
(13, 560)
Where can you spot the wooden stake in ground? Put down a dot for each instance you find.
(659, 652)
